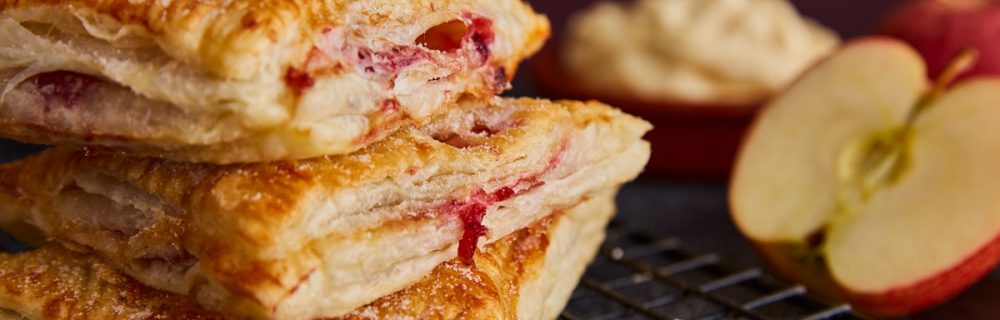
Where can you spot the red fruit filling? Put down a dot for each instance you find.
(471, 213)
(473, 228)
(473, 135)
(449, 36)
(390, 105)
(482, 36)
(474, 33)
(63, 88)
(389, 62)
(299, 80)
(472, 210)
(500, 81)
(445, 37)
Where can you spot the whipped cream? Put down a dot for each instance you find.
(700, 51)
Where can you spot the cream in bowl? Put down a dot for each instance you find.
(693, 51)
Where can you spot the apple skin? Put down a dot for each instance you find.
(897, 302)
(784, 262)
(939, 30)
(925, 294)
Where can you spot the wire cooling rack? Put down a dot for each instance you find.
(639, 277)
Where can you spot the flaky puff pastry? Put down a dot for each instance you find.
(527, 275)
(274, 239)
(248, 80)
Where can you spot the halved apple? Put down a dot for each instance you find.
(872, 185)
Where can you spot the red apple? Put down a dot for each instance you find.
(939, 29)
(867, 183)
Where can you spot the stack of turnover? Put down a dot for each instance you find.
(295, 159)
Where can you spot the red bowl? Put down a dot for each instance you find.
(690, 140)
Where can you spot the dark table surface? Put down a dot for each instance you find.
(696, 211)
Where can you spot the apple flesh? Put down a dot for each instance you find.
(939, 29)
(861, 174)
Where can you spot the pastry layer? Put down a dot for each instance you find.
(527, 275)
(271, 239)
(248, 80)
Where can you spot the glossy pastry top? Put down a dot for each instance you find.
(249, 81)
(473, 137)
(528, 272)
(273, 234)
(242, 39)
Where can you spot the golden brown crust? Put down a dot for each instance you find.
(219, 36)
(228, 38)
(56, 283)
(246, 80)
(258, 231)
(266, 195)
(488, 290)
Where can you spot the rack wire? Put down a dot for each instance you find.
(639, 277)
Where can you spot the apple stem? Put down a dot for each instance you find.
(962, 63)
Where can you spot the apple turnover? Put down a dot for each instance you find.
(248, 80)
(275, 239)
(528, 274)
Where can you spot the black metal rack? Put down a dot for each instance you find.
(640, 277)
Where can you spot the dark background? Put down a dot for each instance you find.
(848, 17)
(696, 211)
